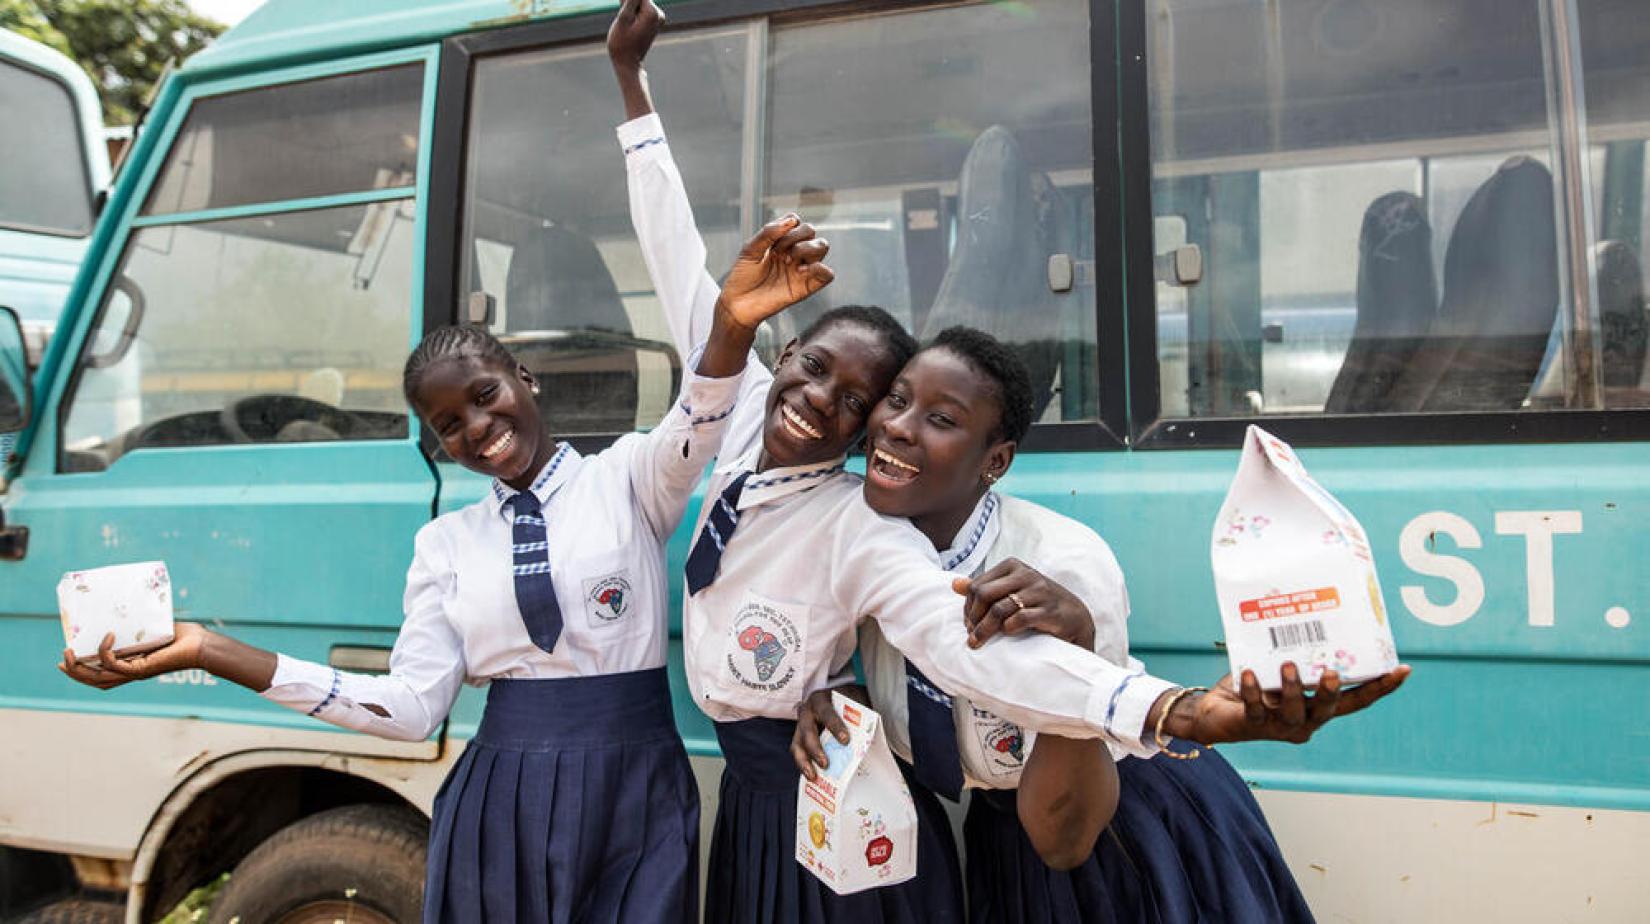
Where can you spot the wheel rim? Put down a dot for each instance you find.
(333, 911)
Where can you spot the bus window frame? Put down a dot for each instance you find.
(132, 190)
(444, 245)
(1152, 430)
(81, 146)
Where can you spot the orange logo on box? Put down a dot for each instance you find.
(850, 713)
(878, 851)
(1292, 604)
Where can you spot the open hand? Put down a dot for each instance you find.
(634, 28)
(1225, 714)
(818, 712)
(108, 671)
(1012, 597)
(780, 266)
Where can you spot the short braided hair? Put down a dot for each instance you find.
(451, 342)
(1007, 371)
(901, 345)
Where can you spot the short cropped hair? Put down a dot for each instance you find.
(452, 341)
(901, 345)
(993, 359)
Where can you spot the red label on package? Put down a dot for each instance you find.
(878, 851)
(1301, 603)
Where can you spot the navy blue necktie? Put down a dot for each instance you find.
(706, 555)
(535, 594)
(935, 760)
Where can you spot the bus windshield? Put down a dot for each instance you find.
(44, 186)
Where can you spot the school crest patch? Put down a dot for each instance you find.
(607, 600)
(1002, 743)
(766, 645)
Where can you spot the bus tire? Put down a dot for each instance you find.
(358, 862)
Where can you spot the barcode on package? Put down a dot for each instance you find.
(1301, 633)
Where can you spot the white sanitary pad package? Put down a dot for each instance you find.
(132, 601)
(1295, 575)
(856, 826)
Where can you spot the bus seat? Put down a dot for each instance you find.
(561, 299)
(1500, 299)
(1624, 334)
(1010, 219)
(1397, 302)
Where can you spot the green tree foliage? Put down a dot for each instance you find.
(125, 45)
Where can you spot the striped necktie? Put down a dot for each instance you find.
(535, 594)
(706, 556)
(935, 760)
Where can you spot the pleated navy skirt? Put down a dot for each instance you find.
(1188, 844)
(754, 877)
(573, 802)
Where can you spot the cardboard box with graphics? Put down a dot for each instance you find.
(1295, 575)
(132, 601)
(856, 826)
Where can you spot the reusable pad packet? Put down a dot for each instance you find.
(132, 601)
(1295, 575)
(856, 826)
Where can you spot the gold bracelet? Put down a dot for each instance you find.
(1163, 717)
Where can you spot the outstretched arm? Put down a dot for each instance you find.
(407, 704)
(1228, 712)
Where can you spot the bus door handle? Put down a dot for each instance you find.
(14, 541)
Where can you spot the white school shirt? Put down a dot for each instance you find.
(808, 558)
(993, 749)
(607, 517)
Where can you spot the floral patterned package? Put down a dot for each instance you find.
(1295, 575)
(132, 601)
(856, 826)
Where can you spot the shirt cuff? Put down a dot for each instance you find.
(642, 135)
(1121, 710)
(706, 400)
(303, 685)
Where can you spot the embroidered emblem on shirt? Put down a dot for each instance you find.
(607, 599)
(764, 638)
(1002, 743)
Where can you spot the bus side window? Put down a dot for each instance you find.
(1374, 192)
(948, 156)
(286, 326)
(548, 249)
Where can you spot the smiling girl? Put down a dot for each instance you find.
(574, 801)
(1188, 842)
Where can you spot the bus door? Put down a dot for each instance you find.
(230, 403)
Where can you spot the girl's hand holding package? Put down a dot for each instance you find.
(1230, 713)
(108, 671)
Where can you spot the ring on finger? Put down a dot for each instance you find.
(1018, 603)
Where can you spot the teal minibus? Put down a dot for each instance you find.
(1408, 237)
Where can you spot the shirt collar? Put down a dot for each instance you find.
(776, 483)
(976, 537)
(555, 473)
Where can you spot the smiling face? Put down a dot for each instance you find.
(821, 393)
(485, 417)
(933, 439)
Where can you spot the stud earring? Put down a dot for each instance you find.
(535, 387)
(990, 477)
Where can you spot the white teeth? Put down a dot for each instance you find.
(799, 426)
(499, 445)
(885, 457)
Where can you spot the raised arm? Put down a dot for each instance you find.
(777, 268)
(408, 704)
(659, 209)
